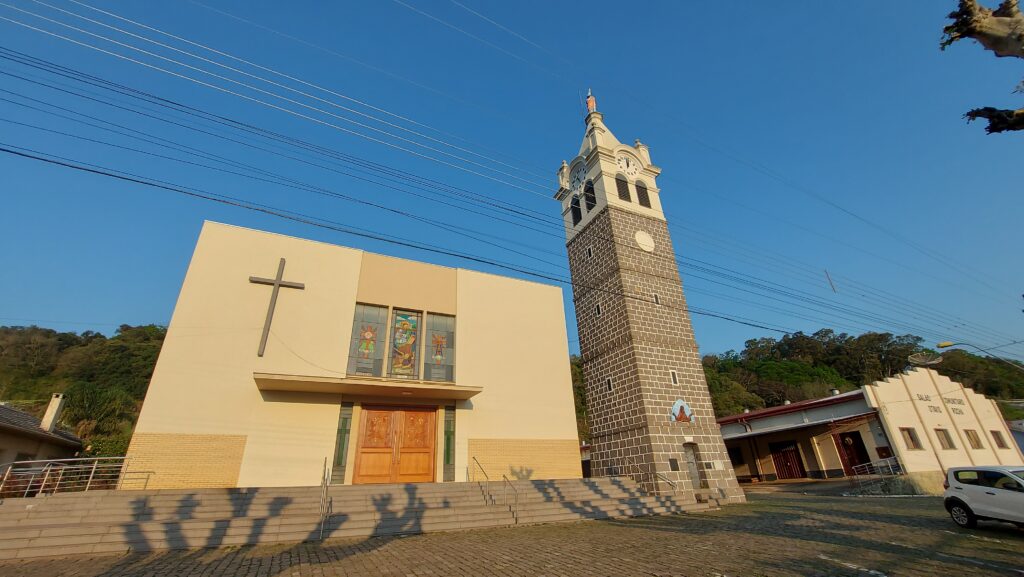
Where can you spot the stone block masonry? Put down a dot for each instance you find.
(631, 342)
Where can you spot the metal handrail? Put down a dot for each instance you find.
(639, 475)
(46, 477)
(481, 467)
(485, 486)
(515, 493)
(666, 479)
(325, 507)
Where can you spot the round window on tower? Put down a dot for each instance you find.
(644, 241)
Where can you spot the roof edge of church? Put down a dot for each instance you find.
(208, 222)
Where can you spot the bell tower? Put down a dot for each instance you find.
(649, 406)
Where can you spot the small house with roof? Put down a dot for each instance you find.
(919, 423)
(26, 438)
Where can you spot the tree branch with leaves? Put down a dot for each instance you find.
(1000, 31)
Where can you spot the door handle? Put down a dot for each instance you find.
(989, 493)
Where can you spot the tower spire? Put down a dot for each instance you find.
(591, 102)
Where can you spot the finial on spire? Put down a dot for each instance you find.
(591, 102)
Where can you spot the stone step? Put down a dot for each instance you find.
(48, 520)
(563, 514)
(146, 536)
(148, 520)
(188, 534)
(42, 506)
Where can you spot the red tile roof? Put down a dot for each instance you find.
(792, 407)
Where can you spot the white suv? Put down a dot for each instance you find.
(994, 493)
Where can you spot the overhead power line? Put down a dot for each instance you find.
(330, 225)
(692, 132)
(280, 108)
(277, 84)
(916, 329)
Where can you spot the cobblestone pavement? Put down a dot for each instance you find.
(774, 534)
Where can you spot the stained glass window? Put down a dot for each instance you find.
(366, 352)
(440, 343)
(405, 344)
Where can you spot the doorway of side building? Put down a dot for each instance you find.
(787, 461)
(852, 451)
(395, 445)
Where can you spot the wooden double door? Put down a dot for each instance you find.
(396, 445)
(787, 461)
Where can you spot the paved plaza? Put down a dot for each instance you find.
(774, 534)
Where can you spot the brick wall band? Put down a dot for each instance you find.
(184, 461)
(525, 458)
(635, 342)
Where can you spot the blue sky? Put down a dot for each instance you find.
(793, 139)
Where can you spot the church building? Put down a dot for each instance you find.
(287, 356)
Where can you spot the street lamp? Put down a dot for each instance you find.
(947, 344)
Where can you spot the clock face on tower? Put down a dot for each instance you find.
(576, 179)
(629, 165)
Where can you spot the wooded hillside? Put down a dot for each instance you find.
(106, 378)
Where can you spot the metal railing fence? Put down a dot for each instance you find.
(869, 476)
(47, 477)
(889, 467)
(325, 500)
(506, 483)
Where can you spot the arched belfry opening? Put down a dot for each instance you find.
(589, 197)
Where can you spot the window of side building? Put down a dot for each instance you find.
(997, 436)
(366, 351)
(440, 343)
(910, 438)
(945, 440)
(973, 438)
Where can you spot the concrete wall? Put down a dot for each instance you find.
(513, 342)
(12, 444)
(510, 340)
(924, 400)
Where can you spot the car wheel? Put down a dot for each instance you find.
(962, 515)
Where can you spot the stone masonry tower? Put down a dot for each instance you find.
(650, 410)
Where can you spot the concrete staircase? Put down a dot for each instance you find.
(122, 521)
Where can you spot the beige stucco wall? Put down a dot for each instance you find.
(510, 340)
(400, 283)
(924, 400)
(203, 381)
